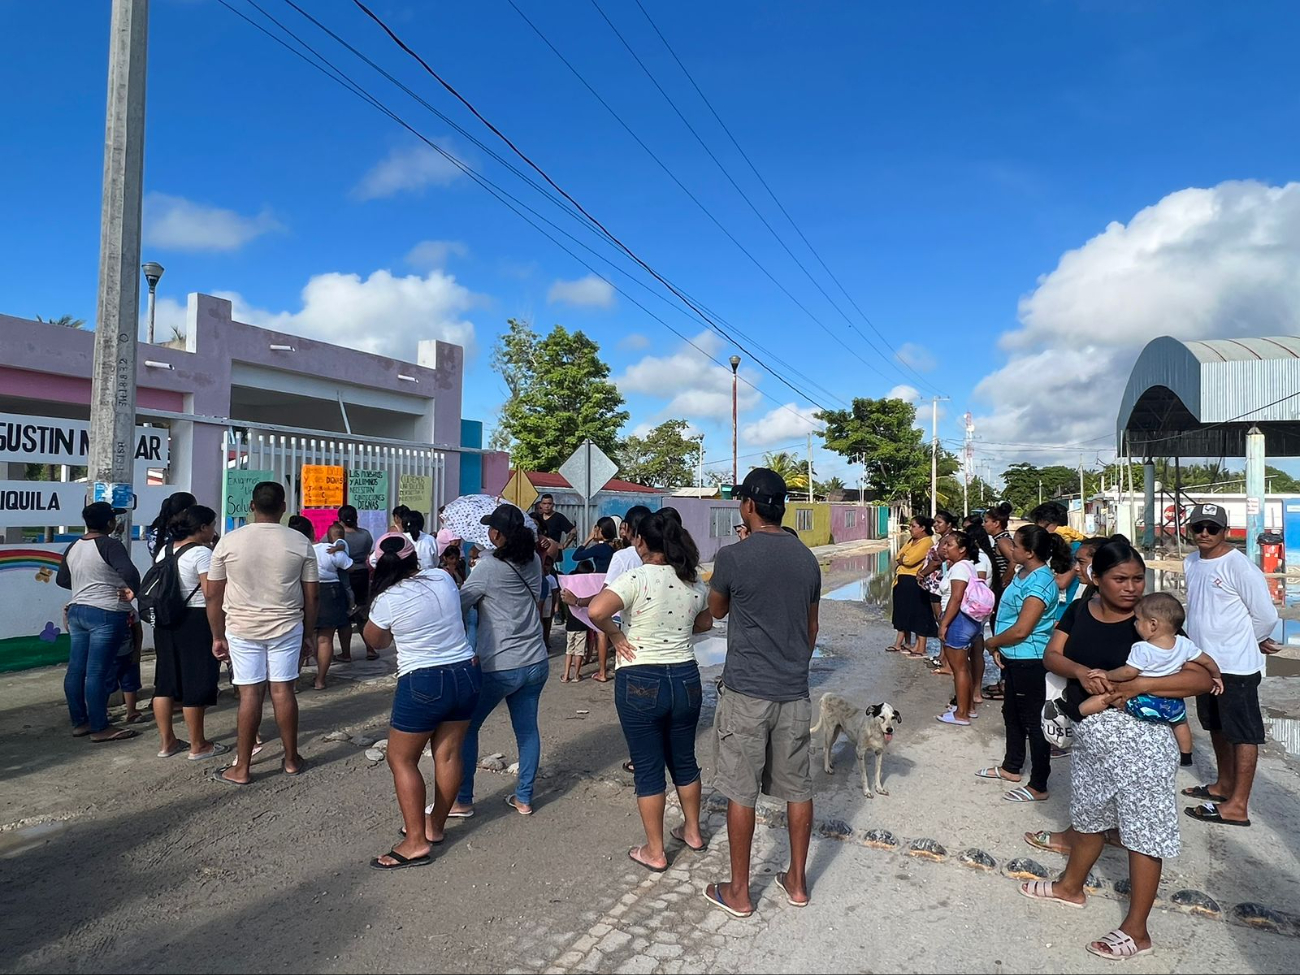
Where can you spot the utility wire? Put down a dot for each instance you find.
(776, 199)
(650, 152)
(513, 203)
(737, 187)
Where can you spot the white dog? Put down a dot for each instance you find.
(870, 730)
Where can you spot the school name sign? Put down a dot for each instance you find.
(54, 440)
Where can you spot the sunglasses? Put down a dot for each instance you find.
(1206, 528)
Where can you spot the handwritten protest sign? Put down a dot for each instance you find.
(368, 490)
(321, 519)
(322, 486)
(238, 492)
(375, 522)
(415, 491)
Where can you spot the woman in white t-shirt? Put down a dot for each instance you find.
(957, 631)
(657, 688)
(438, 682)
(185, 669)
(335, 565)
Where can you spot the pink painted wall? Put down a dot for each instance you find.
(697, 518)
(864, 518)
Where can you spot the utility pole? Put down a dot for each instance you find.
(112, 396)
(735, 466)
(810, 472)
(934, 457)
(968, 456)
(1083, 500)
(700, 482)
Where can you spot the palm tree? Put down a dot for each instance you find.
(67, 321)
(792, 471)
(826, 487)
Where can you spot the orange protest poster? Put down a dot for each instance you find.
(322, 486)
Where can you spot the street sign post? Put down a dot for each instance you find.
(587, 470)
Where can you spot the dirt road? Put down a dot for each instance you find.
(115, 860)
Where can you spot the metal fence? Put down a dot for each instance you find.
(285, 455)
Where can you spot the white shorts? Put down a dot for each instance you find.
(257, 661)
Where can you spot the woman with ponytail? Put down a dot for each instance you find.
(657, 688)
(426, 546)
(159, 533)
(1026, 618)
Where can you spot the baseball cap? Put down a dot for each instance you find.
(764, 486)
(505, 519)
(407, 549)
(1213, 513)
(99, 513)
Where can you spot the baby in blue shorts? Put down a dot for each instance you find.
(1161, 652)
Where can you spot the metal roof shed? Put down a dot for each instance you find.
(1199, 399)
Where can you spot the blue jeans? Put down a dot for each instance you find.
(659, 708)
(427, 697)
(520, 688)
(97, 638)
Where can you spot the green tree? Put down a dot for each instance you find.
(824, 488)
(560, 395)
(882, 434)
(67, 321)
(792, 470)
(664, 457)
(1023, 482)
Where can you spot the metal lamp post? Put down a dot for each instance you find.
(153, 272)
(735, 362)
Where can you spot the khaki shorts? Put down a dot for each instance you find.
(575, 643)
(762, 747)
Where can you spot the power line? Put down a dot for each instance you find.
(737, 187)
(662, 165)
(777, 201)
(331, 71)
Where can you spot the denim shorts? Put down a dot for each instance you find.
(961, 631)
(427, 697)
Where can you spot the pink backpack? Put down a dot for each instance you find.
(978, 600)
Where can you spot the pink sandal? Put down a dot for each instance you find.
(1042, 890)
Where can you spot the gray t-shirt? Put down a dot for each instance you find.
(772, 580)
(95, 569)
(509, 622)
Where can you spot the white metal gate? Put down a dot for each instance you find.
(285, 454)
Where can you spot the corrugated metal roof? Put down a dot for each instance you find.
(1199, 398)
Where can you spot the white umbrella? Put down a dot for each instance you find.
(464, 517)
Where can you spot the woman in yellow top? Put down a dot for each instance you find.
(912, 613)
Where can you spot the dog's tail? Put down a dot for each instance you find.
(821, 713)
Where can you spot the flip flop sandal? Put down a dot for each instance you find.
(462, 815)
(780, 882)
(677, 834)
(217, 749)
(950, 717)
(137, 718)
(181, 746)
(302, 766)
(631, 855)
(992, 692)
(402, 833)
(1208, 812)
(714, 896)
(342, 660)
(216, 775)
(628, 766)
(81, 734)
(1042, 840)
(1117, 946)
(995, 772)
(1023, 795)
(123, 734)
(513, 803)
(402, 862)
(1041, 890)
(372, 656)
(893, 649)
(1201, 792)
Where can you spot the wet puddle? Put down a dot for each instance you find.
(711, 647)
(16, 841)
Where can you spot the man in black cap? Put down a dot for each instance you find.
(1230, 615)
(769, 589)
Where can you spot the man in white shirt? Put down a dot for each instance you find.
(1230, 615)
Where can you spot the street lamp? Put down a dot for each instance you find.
(153, 272)
(735, 467)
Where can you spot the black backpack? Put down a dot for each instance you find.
(162, 602)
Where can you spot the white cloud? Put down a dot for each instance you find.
(693, 384)
(382, 313)
(430, 254)
(917, 356)
(1221, 262)
(590, 292)
(412, 167)
(634, 342)
(908, 394)
(780, 425)
(180, 224)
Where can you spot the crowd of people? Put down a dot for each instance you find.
(1088, 662)
(1094, 668)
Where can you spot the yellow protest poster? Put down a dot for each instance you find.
(322, 486)
(415, 491)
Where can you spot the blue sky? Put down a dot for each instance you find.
(1019, 196)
